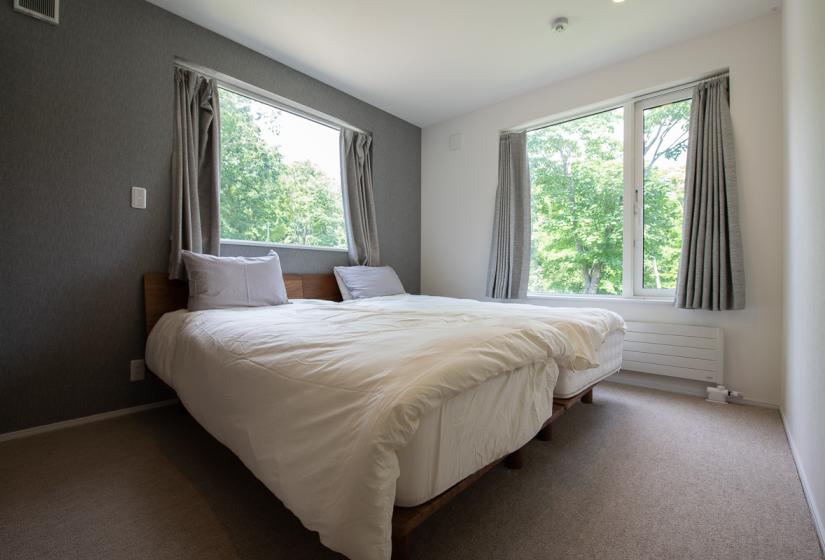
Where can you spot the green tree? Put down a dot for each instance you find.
(577, 187)
(665, 144)
(315, 216)
(263, 198)
(250, 173)
(577, 190)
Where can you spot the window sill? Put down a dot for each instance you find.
(281, 245)
(602, 299)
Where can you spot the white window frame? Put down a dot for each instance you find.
(638, 182)
(239, 87)
(633, 202)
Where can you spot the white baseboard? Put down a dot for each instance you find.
(84, 420)
(819, 522)
(676, 385)
(749, 402)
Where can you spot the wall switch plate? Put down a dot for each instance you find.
(137, 370)
(455, 142)
(139, 198)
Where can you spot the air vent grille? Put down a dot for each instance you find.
(46, 10)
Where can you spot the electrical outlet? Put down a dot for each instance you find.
(137, 370)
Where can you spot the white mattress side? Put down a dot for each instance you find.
(474, 429)
(573, 382)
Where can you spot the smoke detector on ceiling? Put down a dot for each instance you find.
(559, 24)
(45, 10)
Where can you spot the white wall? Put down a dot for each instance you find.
(458, 187)
(804, 390)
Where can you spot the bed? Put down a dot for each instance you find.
(428, 457)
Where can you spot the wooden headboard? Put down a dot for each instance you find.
(162, 295)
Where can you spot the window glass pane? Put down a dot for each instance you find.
(577, 216)
(280, 176)
(665, 151)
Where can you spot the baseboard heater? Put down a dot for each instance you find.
(685, 351)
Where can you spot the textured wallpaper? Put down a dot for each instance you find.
(86, 113)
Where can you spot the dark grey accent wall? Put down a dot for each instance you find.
(86, 113)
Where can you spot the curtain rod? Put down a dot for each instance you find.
(260, 94)
(618, 102)
(685, 85)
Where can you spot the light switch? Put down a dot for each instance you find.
(455, 142)
(139, 198)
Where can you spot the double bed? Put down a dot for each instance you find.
(362, 416)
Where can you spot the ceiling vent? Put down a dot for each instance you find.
(46, 10)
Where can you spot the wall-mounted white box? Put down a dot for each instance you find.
(139, 198)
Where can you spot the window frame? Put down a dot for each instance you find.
(239, 87)
(297, 113)
(633, 200)
(639, 109)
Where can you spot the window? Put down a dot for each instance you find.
(662, 126)
(577, 188)
(280, 176)
(607, 196)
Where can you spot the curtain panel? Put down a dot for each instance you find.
(711, 270)
(359, 208)
(195, 169)
(509, 267)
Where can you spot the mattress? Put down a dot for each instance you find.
(472, 430)
(458, 438)
(573, 382)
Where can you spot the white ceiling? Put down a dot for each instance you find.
(429, 60)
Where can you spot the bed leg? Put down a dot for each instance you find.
(546, 433)
(401, 547)
(514, 460)
(587, 398)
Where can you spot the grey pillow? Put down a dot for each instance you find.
(368, 281)
(345, 295)
(220, 282)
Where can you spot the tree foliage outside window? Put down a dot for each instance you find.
(665, 147)
(577, 178)
(577, 188)
(265, 197)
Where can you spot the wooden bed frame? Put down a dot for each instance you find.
(162, 295)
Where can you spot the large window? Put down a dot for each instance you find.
(607, 197)
(280, 176)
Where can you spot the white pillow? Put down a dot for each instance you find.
(345, 295)
(220, 282)
(358, 282)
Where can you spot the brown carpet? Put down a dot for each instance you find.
(637, 474)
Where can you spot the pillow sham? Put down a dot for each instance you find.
(345, 295)
(221, 282)
(367, 281)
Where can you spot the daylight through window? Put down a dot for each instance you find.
(584, 191)
(280, 176)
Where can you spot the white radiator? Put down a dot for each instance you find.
(684, 351)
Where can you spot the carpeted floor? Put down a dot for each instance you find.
(637, 474)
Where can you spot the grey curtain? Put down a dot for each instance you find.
(356, 176)
(195, 169)
(711, 271)
(510, 252)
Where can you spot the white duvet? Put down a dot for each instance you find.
(316, 397)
